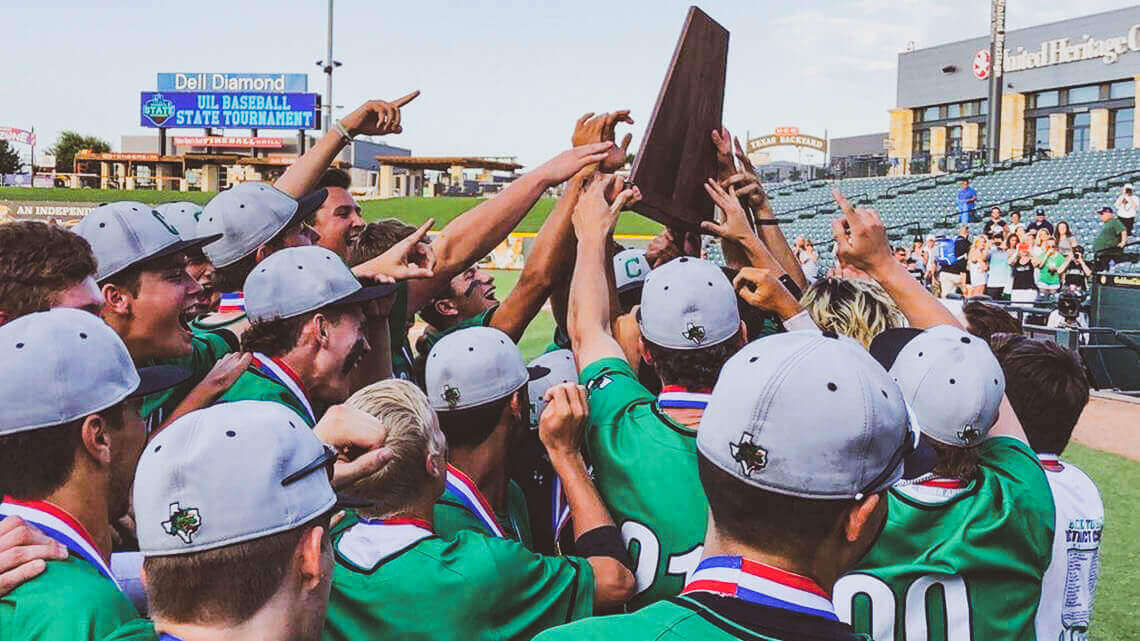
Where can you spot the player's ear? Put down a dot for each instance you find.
(444, 307)
(645, 355)
(863, 519)
(116, 299)
(743, 333)
(310, 558)
(94, 433)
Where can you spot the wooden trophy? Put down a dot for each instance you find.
(677, 154)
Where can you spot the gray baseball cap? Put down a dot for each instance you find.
(230, 473)
(688, 303)
(64, 364)
(474, 366)
(951, 380)
(809, 415)
(183, 215)
(249, 215)
(630, 268)
(559, 367)
(123, 234)
(299, 280)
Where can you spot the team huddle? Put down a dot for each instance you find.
(216, 426)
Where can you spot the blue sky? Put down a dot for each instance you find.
(498, 78)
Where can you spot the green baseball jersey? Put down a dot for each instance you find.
(451, 517)
(958, 560)
(215, 322)
(703, 618)
(136, 630)
(207, 349)
(396, 580)
(254, 385)
(645, 468)
(432, 335)
(69, 601)
(402, 357)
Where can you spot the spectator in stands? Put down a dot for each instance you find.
(857, 308)
(1049, 267)
(1037, 243)
(978, 265)
(967, 199)
(1047, 389)
(986, 319)
(998, 273)
(1039, 222)
(995, 226)
(1107, 248)
(43, 266)
(809, 260)
(1066, 240)
(1126, 205)
(1015, 225)
(1075, 270)
(953, 276)
(1023, 287)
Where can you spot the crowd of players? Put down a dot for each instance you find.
(215, 418)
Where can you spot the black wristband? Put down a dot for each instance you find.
(791, 286)
(603, 541)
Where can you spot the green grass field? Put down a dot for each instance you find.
(413, 211)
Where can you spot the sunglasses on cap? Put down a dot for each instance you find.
(326, 459)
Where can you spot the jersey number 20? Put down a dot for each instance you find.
(956, 613)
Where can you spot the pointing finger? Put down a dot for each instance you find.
(400, 102)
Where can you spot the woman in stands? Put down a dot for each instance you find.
(809, 259)
(1066, 240)
(977, 266)
(1024, 286)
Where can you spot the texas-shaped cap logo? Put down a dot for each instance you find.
(749, 455)
(451, 396)
(158, 109)
(184, 522)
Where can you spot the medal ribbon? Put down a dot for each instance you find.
(283, 374)
(1051, 462)
(464, 488)
(739, 578)
(676, 397)
(60, 526)
(231, 302)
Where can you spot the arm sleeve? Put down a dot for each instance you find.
(1028, 499)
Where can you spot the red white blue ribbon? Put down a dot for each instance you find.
(62, 527)
(1051, 462)
(560, 510)
(283, 374)
(469, 495)
(740, 578)
(231, 302)
(676, 397)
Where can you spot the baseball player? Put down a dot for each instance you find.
(43, 266)
(781, 527)
(1047, 388)
(70, 435)
(397, 577)
(184, 216)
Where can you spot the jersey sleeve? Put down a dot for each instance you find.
(136, 630)
(612, 386)
(1024, 492)
(67, 602)
(533, 592)
(207, 348)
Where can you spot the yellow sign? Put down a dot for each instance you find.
(787, 139)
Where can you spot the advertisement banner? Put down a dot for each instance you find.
(194, 110)
(235, 82)
(259, 142)
(17, 135)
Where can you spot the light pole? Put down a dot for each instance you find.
(327, 65)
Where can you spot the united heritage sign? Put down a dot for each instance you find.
(1059, 51)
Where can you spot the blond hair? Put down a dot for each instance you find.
(413, 436)
(857, 308)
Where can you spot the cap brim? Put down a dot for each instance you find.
(345, 502)
(308, 205)
(159, 377)
(368, 293)
(537, 371)
(179, 247)
(887, 345)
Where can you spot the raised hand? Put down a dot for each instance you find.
(762, 289)
(600, 128)
(594, 214)
(563, 422)
(736, 226)
(377, 117)
(722, 141)
(860, 237)
(747, 183)
(571, 161)
(405, 260)
(358, 437)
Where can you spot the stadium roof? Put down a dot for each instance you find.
(443, 163)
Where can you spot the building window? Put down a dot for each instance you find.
(930, 113)
(1044, 99)
(1120, 128)
(1037, 134)
(1090, 93)
(954, 111)
(953, 141)
(921, 142)
(1078, 132)
(983, 106)
(1122, 89)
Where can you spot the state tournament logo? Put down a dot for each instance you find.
(451, 396)
(158, 109)
(694, 333)
(750, 456)
(184, 522)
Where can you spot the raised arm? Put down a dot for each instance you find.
(861, 240)
(477, 231)
(375, 117)
(748, 187)
(560, 429)
(588, 318)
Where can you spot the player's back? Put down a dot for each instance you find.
(958, 560)
(1070, 582)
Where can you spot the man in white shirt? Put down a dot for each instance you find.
(1126, 205)
(1047, 388)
